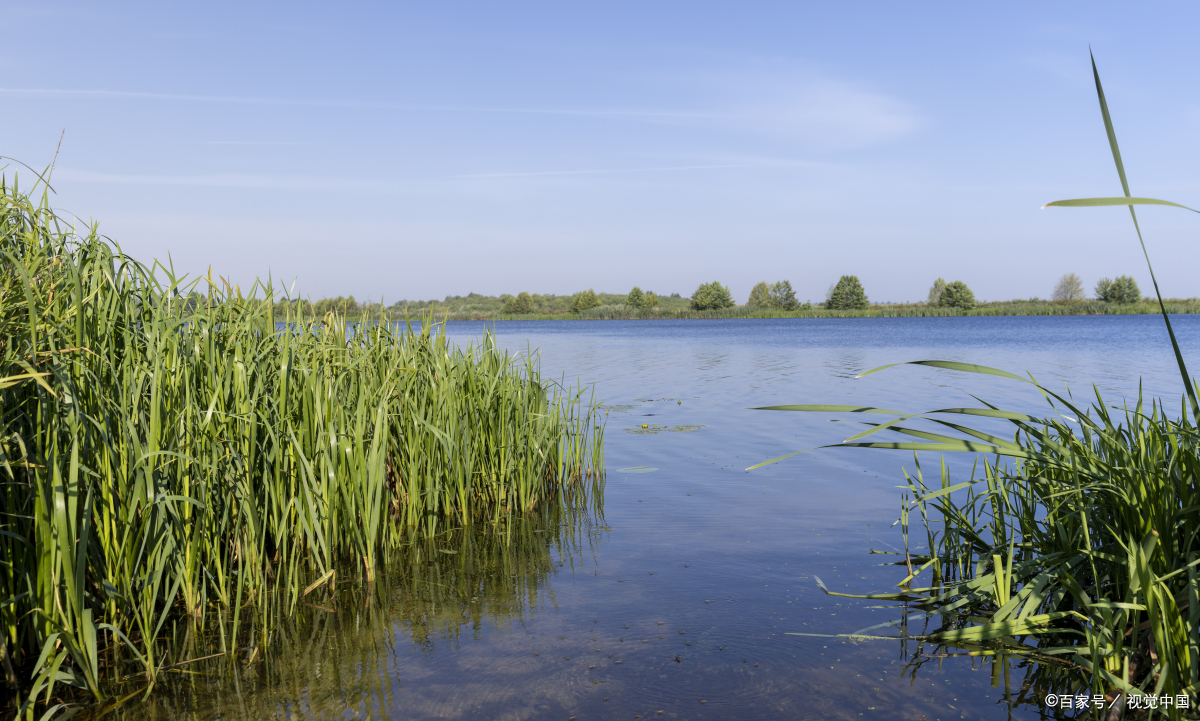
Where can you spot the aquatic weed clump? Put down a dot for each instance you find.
(171, 458)
(1081, 555)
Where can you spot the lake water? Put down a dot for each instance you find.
(676, 599)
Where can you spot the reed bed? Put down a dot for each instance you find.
(1073, 548)
(169, 461)
(336, 655)
(1078, 552)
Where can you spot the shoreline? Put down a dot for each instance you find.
(915, 310)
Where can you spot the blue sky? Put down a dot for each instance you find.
(404, 150)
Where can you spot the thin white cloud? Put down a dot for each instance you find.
(224, 180)
(304, 183)
(649, 169)
(632, 113)
(70, 94)
(813, 109)
(836, 112)
(254, 142)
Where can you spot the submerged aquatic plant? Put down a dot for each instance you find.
(168, 457)
(1078, 546)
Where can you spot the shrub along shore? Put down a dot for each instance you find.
(174, 466)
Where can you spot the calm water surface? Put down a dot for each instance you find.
(675, 599)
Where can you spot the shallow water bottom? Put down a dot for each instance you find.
(637, 619)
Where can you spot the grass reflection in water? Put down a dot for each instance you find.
(336, 655)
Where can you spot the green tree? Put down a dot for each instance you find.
(1069, 288)
(635, 299)
(584, 300)
(340, 305)
(650, 299)
(520, 305)
(778, 296)
(935, 292)
(848, 294)
(760, 296)
(956, 295)
(783, 297)
(711, 296)
(1122, 289)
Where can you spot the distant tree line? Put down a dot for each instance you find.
(341, 305)
(847, 293)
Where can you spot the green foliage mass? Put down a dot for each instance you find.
(635, 299)
(475, 306)
(956, 295)
(340, 305)
(712, 296)
(935, 292)
(783, 297)
(760, 295)
(1122, 289)
(779, 296)
(1069, 289)
(848, 294)
(584, 300)
(521, 305)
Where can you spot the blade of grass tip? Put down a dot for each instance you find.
(776, 460)
(950, 365)
(829, 408)
(1116, 151)
(1103, 202)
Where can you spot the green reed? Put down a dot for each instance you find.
(166, 458)
(1077, 547)
(335, 653)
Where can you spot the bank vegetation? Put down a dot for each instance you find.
(190, 459)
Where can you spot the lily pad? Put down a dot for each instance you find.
(637, 469)
(684, 429)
